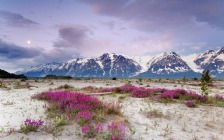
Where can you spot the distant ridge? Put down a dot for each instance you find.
(212, 60)
(107, 65)
(167, 65)
(5, 74)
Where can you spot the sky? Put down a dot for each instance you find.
(36, 32)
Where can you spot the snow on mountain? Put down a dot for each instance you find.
(143, 61)
(107, 65)
(70, 63)
(168, 65)
(80, 67)
(189, 59)
(39, 70)
(204, 58)
(116, 65)
(154, 59)
(46, 67)
(211, 60)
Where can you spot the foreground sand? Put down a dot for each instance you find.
(176, 121)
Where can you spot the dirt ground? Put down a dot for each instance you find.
(172, 121)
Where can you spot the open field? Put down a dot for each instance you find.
(144, 118)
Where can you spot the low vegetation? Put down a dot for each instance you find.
(206, 80)
(31, 125)
(57, 77)
(115, 113)
(87, 111)
(65, 86)
(161, 95)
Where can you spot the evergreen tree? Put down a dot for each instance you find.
(206, 77)
(184, 79)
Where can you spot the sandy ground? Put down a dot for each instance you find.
(176, 121)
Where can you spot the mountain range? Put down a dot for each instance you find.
(170, 65)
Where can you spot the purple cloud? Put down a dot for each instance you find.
(157, 15)
(74, 34)
(71, 43)
(12, 51)
(108, 24)
(17, 20)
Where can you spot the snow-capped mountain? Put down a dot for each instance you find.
(40, 70)
(143, 61)
(79, 67)
(189, 59)
(118, 65)
(212, 60)
(114, 65)
(168, 65)
(107, 65)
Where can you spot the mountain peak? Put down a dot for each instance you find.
(119, 65)
(168, 63)
(171, 53)
(208, 52)
(211, 60)
(107, 54)
(110, 56)
(53, 63)
(221, 51)
(78, 60)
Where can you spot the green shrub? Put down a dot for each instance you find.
(195, 79)
(114, 78)
(66, 86)
(59, 121)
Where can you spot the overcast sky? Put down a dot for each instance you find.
(41, 31)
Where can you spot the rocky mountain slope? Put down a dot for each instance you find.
(40, 70)
(168, 65)
(107, 65)
(113, 65)
(212, 60)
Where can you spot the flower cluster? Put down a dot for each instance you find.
(86, 110)
(191, 103)
(195, 96)
(141, 93)
(219, 97)
(90, 130)
(167, 94)
(84, 117)
(71, 102)
(173, 94)
(78, 106)
(31, 125)
(182, 94)
(116, 130)
(121, 89)
(99, 127)
(137, 92)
